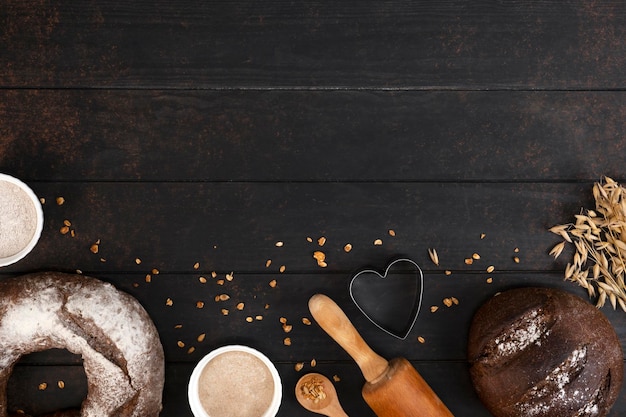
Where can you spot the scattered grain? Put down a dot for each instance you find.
(282, 269)
(199, 304)
(434, 257)
(138, 261)
(320, 257)
(249, 319)
(273, 283)
(43, 386)
(60, 201)
(268, 263)
(378, 242)
(240, 306)
(336, 378)
(421, 339)
(298, 366)
(201, 337)
(196, 265)
(313, 363)
(202, 280)
(191, 350)
(230, 277)
(61, 384)
(475, 256)
(64, 230)
(225, 312)
(279, 244)
(287, 341)
(516, 259)
(490, 269)
(306, 321)
(434, 308)
(321, 241)
(391, 232)
(169, 302)
(347, 248)
(489, 280)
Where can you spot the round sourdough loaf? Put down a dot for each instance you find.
(544, 352)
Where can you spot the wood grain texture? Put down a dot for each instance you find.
(282, 136)
(206, 131)
(234, 226)
(393, 44)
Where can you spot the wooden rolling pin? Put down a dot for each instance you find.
(392, 388)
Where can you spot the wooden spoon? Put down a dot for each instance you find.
(328, 402)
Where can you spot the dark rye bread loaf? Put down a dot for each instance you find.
(544, 352)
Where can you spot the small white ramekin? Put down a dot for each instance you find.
(192, 392)
(38, 228)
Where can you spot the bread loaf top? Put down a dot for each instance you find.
(544, 352)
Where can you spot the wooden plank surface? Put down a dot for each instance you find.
(188, 132)
(311, 135)
(234, 226)
(421, 44)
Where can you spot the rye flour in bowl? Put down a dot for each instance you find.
(235, 381)
(21, 220)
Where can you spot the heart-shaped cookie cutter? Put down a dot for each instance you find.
(373, 314)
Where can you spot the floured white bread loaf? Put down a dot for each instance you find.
(544, 352)
(121, 351)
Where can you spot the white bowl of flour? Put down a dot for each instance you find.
(235, 381)
(21, 220)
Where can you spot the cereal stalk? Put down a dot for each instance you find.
(599, 240)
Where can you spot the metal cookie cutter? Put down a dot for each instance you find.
(391, 300)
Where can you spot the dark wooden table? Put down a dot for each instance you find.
(194, 135)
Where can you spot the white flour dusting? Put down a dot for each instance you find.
(524, 334)
(552, 391)
(18, 219)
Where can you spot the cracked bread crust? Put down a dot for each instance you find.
(544, 352)
(122, 354)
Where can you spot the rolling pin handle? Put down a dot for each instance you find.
(334, 321)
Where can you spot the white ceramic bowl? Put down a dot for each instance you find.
(193, 392)
(8, 260)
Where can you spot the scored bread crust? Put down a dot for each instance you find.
(544, 352)
(118, 342)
